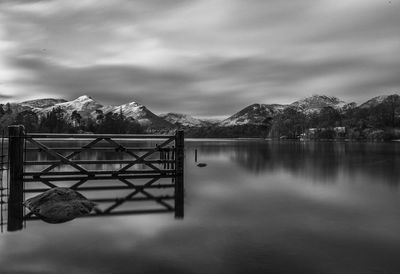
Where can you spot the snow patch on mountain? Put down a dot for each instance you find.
(42, 103)
(376, 101)
(180, 119)
(87, 107)
(84, 105)
(139, 113)
(317, 102)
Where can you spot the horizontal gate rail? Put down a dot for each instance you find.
(118, 213)
(100, 188)
(67, 173)
(112, 177)
(94, 162)
(115, 149)
(107, 200)
(92, 136)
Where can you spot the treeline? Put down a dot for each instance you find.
(375, 122)
(57, 121)
(242, 131)
(380, 122)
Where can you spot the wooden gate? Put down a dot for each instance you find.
(38, 162)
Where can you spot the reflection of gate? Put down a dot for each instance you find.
(138, 173)
(3, 183)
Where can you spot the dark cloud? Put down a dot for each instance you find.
(4, 96)
(208, 58)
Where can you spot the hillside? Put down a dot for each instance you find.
(253, 115)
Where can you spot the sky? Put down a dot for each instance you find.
(207, 58)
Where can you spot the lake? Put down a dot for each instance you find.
(257, 207)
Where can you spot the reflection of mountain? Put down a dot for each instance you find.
(313, 160)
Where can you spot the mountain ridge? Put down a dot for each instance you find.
(87, 107)
(254, 114)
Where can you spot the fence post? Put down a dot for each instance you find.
(16, 169)
(179, 160)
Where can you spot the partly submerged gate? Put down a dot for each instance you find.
(123, 172)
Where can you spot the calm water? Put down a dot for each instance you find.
(258, 207)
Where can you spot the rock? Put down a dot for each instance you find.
(59, 205)
(201, 164)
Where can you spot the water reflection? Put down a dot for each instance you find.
(258, 207)
(317, 161)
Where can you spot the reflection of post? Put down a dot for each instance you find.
(16, 162)
(195, 155)
(179, 190)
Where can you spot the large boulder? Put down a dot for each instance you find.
(59, 205)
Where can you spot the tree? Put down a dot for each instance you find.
(55, 121)
(28, 119)
(76, 119)
(8, 109)
(290, 123)
(329, 117)
(99, 115)
(392, 107)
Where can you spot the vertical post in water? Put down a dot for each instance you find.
(179, 160)
(195, 155)
(16, 169)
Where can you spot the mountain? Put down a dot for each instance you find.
(87, 107)
(180, 119)
(253, 115)
(42, 103)
(317, 102)
(84, 105)
(378, 100)
(140, 113)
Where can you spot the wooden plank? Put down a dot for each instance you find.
(102, 188)
(116, 213)
(136, 199)
(100, 172)
(94, 178)
(94, 162)
(92, 136)
(16, 188)
(179, 187)
(97, 148)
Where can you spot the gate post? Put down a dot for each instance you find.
(179, 160)
(16, 168)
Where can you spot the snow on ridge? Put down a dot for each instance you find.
(376, 101)
(182, 119)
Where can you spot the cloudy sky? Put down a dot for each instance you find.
(208, 58)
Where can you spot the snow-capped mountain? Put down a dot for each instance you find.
(140, 113)
(42, 103)
(317, 102)
(257, 113)
(84, 105)
(180, 119)
(253, 115)
(87, 107)
(377, 100)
